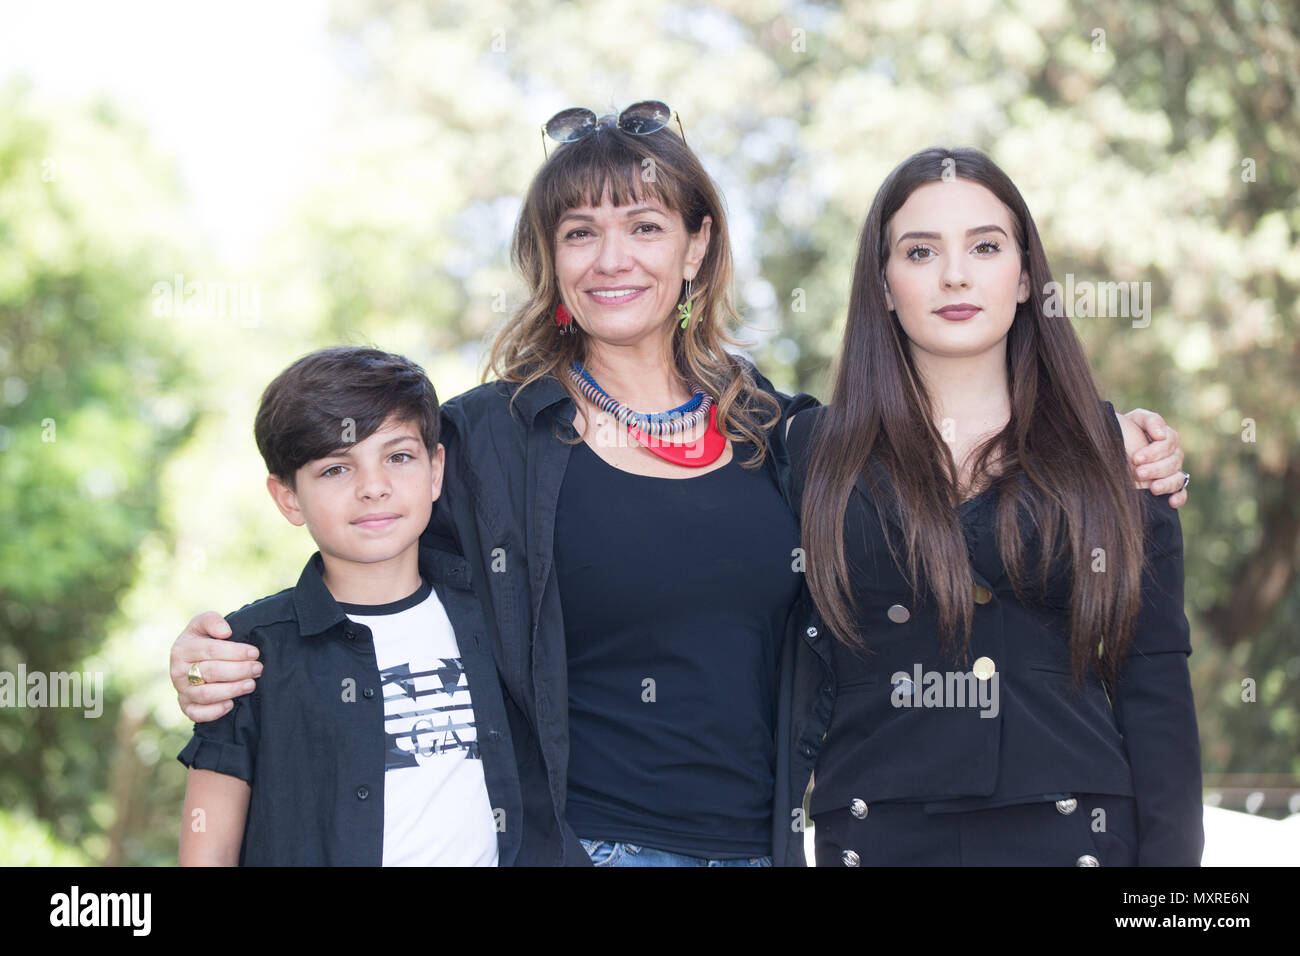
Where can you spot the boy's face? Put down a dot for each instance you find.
(369, 501)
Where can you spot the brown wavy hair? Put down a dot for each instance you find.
(610, 162)
(1057, 460)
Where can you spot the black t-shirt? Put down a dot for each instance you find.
(675, 594)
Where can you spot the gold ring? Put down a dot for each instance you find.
(195, 677)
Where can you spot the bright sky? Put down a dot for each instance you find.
(239, 92)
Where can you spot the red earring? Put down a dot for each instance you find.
(563, 319)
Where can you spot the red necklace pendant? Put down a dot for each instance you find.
(705, 450)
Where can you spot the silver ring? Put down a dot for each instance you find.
(1187, 480)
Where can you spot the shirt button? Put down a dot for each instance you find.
(982, 594)
(858, 807)
(368, 692)
(362, 793)
(351, 634)
(899, 614)
(849, 858)
(811, 632)
(1087, 860)
(808, 751)
(983, 668)
(1067, 806)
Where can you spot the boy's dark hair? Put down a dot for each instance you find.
(336, 397)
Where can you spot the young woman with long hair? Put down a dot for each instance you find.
(1003, 609)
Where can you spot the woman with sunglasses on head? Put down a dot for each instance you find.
(618, 492)
(670, 547)
(1002, 609)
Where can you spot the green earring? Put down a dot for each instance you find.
(684, 309)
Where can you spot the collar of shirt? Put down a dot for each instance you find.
(318, 611)
(543, 393)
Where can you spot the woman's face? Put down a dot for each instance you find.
(621, 268)
(954, 274)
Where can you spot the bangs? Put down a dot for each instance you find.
(605, 165)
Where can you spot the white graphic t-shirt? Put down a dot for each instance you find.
(436, 806)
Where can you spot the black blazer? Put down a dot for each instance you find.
(1038, 734)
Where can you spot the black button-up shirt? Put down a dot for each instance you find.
(310, 738)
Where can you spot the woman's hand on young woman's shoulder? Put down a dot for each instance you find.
(1155, 453)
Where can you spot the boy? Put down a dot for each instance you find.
(361, 744)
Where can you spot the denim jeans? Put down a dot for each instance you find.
(607, 853)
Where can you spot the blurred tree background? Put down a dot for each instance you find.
(1153, 143)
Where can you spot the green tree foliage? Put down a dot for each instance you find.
(90, 383)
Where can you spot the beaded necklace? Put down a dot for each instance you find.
(647, 429)
(673, 422)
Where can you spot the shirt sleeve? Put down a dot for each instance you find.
(228, 744)
(1154, 706)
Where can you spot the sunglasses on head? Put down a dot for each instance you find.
(639, 119)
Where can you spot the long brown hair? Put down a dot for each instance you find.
(629, 168)
(1056, 462)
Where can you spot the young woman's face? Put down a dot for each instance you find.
(621, 268)
(954, 274)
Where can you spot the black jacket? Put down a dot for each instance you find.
(1046, 737)
(504, 470)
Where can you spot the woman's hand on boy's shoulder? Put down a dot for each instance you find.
(226, 667)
